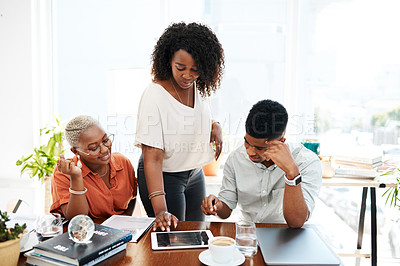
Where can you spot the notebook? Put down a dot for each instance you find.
(301, 246)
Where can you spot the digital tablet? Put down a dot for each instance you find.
(180, 239)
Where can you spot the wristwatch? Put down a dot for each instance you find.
(293, 182)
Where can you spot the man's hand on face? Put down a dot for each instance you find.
(280, 154)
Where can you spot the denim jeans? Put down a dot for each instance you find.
(185, 192)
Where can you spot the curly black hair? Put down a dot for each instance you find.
(201, 43)
(267, 119)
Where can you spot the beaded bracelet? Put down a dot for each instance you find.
(75, 192)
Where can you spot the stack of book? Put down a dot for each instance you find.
(357, 166)
(61, 250)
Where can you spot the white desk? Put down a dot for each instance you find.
(365, 184)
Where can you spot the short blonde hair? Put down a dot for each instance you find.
(76, 126)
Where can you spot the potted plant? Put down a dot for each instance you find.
(9, 241)
(211, 169)
(392, 193)
(42, 161)
(393, 199)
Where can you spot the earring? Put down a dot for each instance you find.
(79, 163)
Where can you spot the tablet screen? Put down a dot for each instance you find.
(180, 239)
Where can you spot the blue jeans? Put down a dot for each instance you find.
(185, 192)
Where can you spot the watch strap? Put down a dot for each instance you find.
(293, 182)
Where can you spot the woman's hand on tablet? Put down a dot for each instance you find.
(164, 220)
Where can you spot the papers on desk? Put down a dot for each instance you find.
(28, 219)
(29, 238)
(137, 226)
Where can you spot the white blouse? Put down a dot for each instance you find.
(181, 131)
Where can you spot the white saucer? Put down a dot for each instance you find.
(205, 257)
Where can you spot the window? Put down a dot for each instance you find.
(352, 72)
(334, 64)
(338, 76)
(102, 53)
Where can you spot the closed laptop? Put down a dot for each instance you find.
(300, 246)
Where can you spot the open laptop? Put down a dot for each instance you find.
(301, 246)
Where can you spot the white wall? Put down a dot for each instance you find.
(16, 109)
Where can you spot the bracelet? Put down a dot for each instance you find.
(75, 192)
(156, 194)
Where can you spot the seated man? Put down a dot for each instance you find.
(271, 181)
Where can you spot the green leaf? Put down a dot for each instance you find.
(41, 153)
(24, 159)
(44, 158)
(23, 168)
(388, 190)
(34, 171)
(58, 137)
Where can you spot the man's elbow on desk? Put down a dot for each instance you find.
(295, 224)
(296, 220)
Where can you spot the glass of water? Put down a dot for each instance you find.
(48, 226)
(246, 239)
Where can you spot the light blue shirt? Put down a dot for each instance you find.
(258, 190)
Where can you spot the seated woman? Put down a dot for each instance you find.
(95, 182)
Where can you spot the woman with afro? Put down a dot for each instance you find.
(174, 126)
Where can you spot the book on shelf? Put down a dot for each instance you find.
(136, 225)
(36, 259)
(359, 165)
(355, 172)
(367, 160)
(104, 243)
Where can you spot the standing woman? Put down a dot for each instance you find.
(174, 126)
(94, 182)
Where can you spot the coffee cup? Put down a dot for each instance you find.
(222, 249)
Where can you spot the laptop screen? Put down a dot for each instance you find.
(300, 246)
